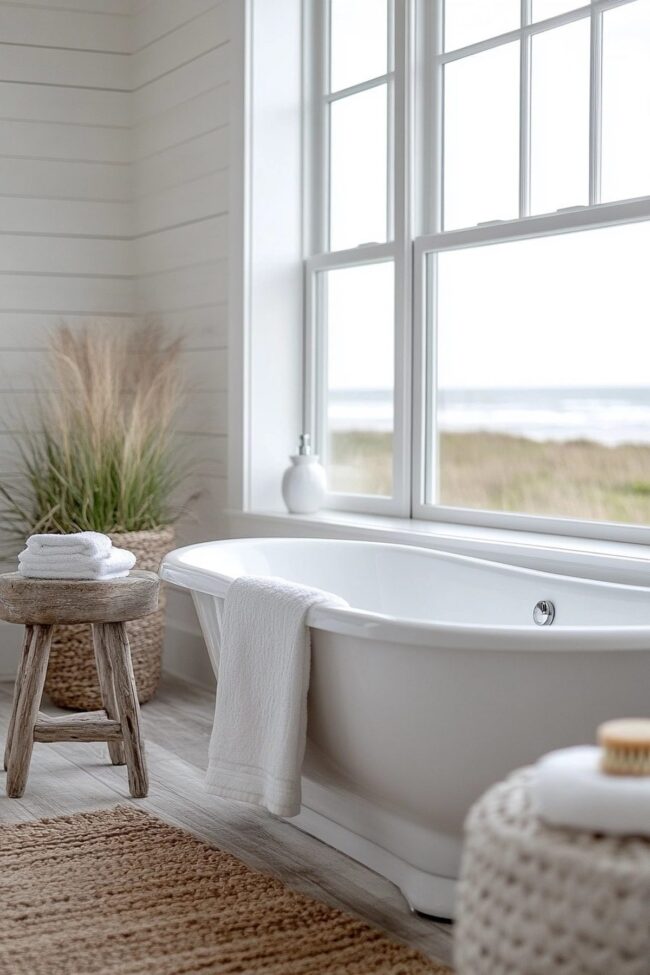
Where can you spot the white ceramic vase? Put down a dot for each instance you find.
(303, 485)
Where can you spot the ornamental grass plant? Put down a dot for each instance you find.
(100, 455)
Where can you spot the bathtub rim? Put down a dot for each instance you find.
(348, 621)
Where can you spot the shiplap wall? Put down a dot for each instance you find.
(113, 202)
(180, 143)
(65, 181)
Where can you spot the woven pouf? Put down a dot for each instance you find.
(535, 900)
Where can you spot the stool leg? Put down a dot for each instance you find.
(116, 641)
(27, 705)
(107, 686)
(20, 677)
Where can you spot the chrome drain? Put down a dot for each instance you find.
(544, 612)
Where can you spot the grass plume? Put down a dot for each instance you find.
(100, 456)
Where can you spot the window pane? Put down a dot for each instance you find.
(481, 152)
(626, 101)
(543, 9)
(359, 304)
(469, 21)
(560, 118)
(359, 41)
(543, 374)
(358, 169)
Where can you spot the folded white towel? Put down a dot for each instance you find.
(260, 725)
(570, 790)
(81, 543)
(75, 566)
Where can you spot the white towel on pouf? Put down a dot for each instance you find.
(260, 725)
(570, 790)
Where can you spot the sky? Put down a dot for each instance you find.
(571, 310)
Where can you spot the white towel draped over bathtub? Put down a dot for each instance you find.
(260, 724)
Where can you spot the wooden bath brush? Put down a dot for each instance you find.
(626, 746)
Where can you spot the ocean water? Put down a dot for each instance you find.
(608, 415)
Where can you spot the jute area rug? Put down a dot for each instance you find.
(119, 892)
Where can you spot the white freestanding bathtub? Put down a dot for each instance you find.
(434, 684)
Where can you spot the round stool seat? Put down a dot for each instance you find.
(536, 899)
(51, 601)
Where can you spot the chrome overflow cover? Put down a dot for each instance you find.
(544, 612)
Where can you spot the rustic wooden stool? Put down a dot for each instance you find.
(39, 604)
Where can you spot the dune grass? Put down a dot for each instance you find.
(578, 479)
(100, 454)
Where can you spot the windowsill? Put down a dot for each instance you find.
(621, 562)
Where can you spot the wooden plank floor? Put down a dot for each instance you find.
(73, 777)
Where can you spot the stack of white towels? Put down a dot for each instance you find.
(81, 555)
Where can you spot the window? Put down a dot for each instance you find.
(478, 321)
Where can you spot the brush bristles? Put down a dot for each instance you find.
(626, 760)
(625, 744)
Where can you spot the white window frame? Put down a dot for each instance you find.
(417, 85)
(397, 249)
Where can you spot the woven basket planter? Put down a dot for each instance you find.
(71, 676)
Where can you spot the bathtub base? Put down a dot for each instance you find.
(425, 893)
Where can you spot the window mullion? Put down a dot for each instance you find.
(321, 185)
(310, 355)
(391, 160)
(525, 110)
(431, 447)
(400, 189)
(435, 144)
(531, 28)
(354, 256)
(321, 372)
(423, 375)
(540, 225)
(337, 96)
(595, 106)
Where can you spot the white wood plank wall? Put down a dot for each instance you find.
(180, 145)
(113, 202)
(180, 117)
(65, 181)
